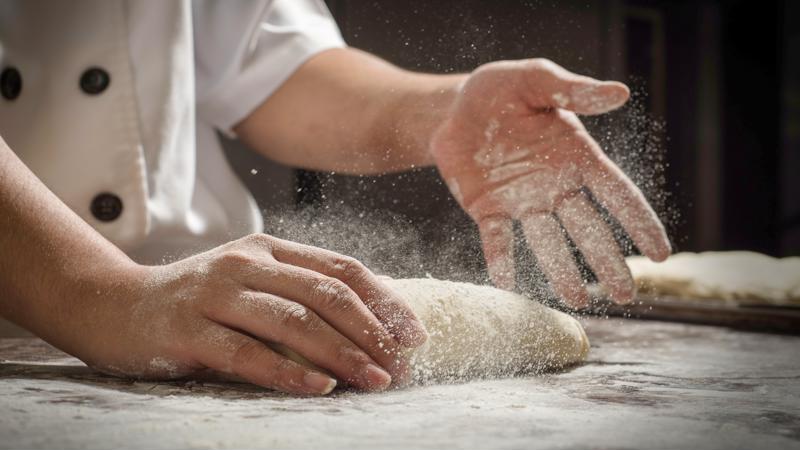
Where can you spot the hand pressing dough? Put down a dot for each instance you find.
(483, 332)
(740, 275)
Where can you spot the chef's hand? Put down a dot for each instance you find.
(216, 310)
(514, 148)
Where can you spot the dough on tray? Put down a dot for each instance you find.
(740, 275)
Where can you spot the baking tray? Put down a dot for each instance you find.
(739, 314)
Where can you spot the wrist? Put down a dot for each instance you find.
(100, 310)
(423, 103)
(437, 108)
(76, 310)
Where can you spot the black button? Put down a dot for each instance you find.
(106, 207)
(10, 83)
(94, 80)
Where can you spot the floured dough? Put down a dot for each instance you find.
(482, 332)
(740, 275)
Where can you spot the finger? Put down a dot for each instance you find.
(553, 86)
(275, 319)
(626, 202)
(497, 237)
(335, 303)
(237, 355)
(388, 307)
(595, 241)
(549, 245)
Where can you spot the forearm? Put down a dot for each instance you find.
(347, 111)
(51, 261)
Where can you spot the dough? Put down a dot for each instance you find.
(482, 332)
(742, 276)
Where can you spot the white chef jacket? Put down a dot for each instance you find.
(115, 105)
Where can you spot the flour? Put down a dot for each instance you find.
(507, 171)
(588, 98)
(592, 101)
(491, 130)
(539, 190)
(495, 155)
(634, 140)
(162, 365)
(562, 101)
(656, 378)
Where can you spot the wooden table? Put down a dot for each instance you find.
(645, 385)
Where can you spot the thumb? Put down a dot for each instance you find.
(555, 87)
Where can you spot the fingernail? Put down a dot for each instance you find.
(624, 297)
(319, 382)
(621, 292)
(375, 377)
(630, 293)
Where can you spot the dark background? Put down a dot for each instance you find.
(712, 135)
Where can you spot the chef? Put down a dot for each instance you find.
(127, 240)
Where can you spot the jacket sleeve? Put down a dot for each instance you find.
(244, 51)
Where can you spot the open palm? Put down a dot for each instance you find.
(513, 148)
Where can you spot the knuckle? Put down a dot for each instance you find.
(349, 269)
(383, 345)
(543, 64)
(496, 229)
(297, 316)
(332, 293)
(247, 354)
(352, 357)
(283, 366)
(233, 259)
(258, 239)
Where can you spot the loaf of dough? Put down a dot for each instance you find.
(742, 276)
(482, 332)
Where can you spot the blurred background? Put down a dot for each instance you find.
(712, 135)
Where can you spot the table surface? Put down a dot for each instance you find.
(645, 385)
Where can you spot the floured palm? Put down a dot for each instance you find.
(514, 149)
